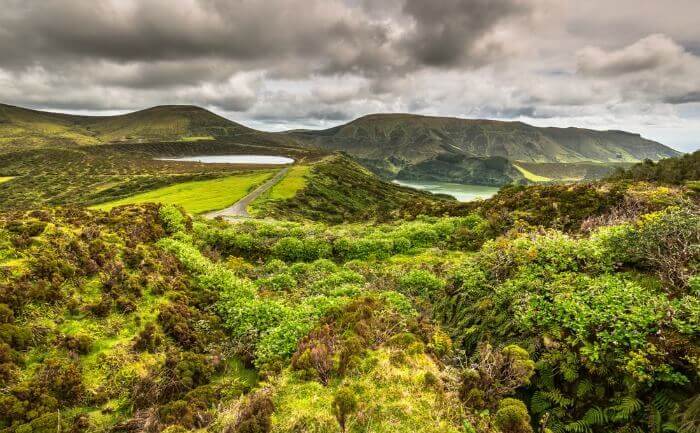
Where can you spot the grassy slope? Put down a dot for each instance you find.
(292, 182)
(198, 196)
(286, 189)
(570, 171)
(339, 189)
(22, 128)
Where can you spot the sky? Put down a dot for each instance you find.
(284, 64)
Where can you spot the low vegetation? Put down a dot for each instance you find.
(672, 170)
(356, 306)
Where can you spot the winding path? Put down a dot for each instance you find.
(238, 209)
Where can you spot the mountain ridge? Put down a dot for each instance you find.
(481, 138)
(393, 145)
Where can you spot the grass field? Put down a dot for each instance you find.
(199, 196)
(292, 182)
(285, 189)
(532, 177)
(4, 179)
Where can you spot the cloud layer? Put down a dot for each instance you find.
(308, 63)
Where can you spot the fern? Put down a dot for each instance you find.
(593, 417)
(596, 416)
(583, 388)
(555, 396)
(624, 410)
(539, 403)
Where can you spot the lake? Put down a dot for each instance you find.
(457, 190)
(234, 159)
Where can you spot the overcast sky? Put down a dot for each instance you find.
(280, 64)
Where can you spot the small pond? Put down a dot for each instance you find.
(234, 159)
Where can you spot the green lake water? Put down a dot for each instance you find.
(459, 191)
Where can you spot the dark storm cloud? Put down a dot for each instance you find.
(447, 31)
(316, 62)
(166, 30)
(327, 36)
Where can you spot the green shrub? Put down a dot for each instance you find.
(292, 249)
(254, 414)
(512, 416)
(173, 219)
(420, 283)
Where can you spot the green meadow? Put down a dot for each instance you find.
(292, 182)
(198, 196)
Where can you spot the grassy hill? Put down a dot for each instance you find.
(21, 128)
(337, 189)
(411, 146)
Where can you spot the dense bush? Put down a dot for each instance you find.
(254, 414)
(512, 416)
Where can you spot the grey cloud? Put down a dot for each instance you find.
(326, 36)
(654, 69)
(158, 30)
(651, 52)
(447, 31)
(688, 98)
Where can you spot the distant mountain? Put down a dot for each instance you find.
(23, 128)
(462, 150)
(396, 146)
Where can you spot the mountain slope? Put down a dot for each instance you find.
(417, 138)
(23, 128)
(462, 150)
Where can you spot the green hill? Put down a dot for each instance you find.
(337, 189)
(422, 147)
(21, 128)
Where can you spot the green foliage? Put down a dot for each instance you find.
(671, 170)
(300, 250)
(667, 241)
(420, 283)
(142, 318)
(173, 219)
(512, 416)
